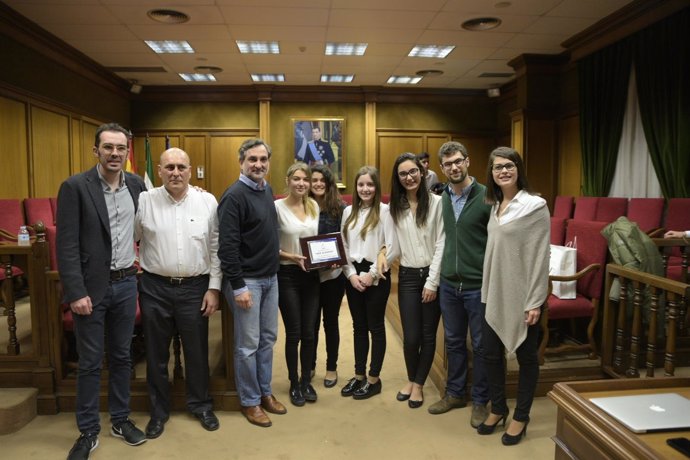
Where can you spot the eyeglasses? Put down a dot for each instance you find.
(412, 173)
(457, 163)
(110, 148)
(507, 166)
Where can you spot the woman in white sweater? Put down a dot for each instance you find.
(366, 228)
(416, 215)
(514, 287)
(298, 289)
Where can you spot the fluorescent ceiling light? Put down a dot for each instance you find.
(337, 78)
(258, 47)
(169, 46)
(264, 77)
(345, 49)
(197, 77)
(403, 80)
(431, 51)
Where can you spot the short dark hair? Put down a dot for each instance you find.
(250, 144)
(450, 148)
(494, 194)
(109, 127)
(423, 156)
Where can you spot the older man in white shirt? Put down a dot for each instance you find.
(177, 227)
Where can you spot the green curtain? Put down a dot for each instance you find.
(603, 83)
(662, 66)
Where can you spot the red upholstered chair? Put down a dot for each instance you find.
(563, 206)
(53, 206)
(609, 209)
(677, 218)
(586, 208)
(385, 198)
(37, 209)
(558, 231)
(592, 249)
(347, 199)
(646, 213)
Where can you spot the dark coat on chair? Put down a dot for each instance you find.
(84, 248)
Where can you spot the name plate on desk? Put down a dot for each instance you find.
(322, 251)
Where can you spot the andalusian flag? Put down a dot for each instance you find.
(131, 165)
(148, 175)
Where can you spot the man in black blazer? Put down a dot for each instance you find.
(95, 255)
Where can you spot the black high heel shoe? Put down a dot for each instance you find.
(510, 440)
(484, 429)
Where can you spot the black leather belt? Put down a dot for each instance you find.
(177, 280)
(117, 275)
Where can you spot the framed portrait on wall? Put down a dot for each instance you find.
(320, 141)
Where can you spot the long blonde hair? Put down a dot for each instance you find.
(373, 216)
(309, 204)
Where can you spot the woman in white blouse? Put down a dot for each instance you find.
(367, 227)
(416, 215)
(298, 289)
(514, 288)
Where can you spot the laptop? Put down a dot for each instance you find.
(648, 412)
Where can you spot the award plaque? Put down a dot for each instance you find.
(323, 251)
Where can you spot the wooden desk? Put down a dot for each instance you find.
(583, 431)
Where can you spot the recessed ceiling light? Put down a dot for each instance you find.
(168, 16)
(337, 78)
(346, 49)
(258, 47)
(197, 77)
(403, 80)
(207, 69)
(169, 46)
(429, 73)
(431, 51)
(480, 24)
(268, 77)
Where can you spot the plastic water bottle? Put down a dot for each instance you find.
(23, 238)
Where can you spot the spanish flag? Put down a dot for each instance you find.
(131, 165)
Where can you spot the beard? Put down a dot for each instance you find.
(460, 179)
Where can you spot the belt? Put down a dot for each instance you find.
(117, 275)
(177, 280)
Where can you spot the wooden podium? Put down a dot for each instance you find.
(583, 431)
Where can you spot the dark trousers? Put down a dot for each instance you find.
(331, 294)
(496, 370)
(419, 322)
(298, 299)
(112, 320)
(167, 309)
(368, 310)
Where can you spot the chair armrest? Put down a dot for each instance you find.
(656, 232)
(577, 275)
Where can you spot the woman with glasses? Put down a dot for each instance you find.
(366, 228)
(332, 287)
(515, 286)
(418, 225)
(298, 289)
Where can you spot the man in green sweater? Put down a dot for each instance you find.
(465, 216)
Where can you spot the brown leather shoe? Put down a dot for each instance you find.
(256, 416)
(271, 404)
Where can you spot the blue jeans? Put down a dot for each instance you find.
(111, 320)
(460, 309)
(255, 331)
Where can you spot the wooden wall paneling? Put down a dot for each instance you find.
(540, 157)
(433, 144)
(569, 157)
(14, 149)
(390, 146)
(88, 138)
(75, 146)
(223, 163)
(195, 146)
(50, 151)
(478, 149)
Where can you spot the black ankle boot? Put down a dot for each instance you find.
(296, 396)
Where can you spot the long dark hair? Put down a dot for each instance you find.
(332, 201)
(494, 194)
(373, 215)
(398, 202)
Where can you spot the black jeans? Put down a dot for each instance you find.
(167, 309)
(495, 366)
(368, 310)
(419, 322)
(298, 299)
(331, 294)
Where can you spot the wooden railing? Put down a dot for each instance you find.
(665, 246)
(625, 337)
